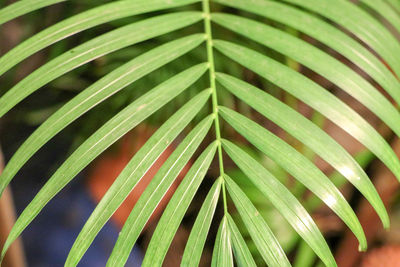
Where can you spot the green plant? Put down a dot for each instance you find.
(310, 17)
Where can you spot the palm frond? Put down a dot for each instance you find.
(248, 37)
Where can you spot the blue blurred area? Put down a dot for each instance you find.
(49, 238)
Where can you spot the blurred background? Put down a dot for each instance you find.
(47, 240)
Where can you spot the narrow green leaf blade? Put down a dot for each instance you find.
(217, 244)
(395, 4)
(359, 23)
(114, 129)
(155, 191)
(318, 61)
(261, 234)
(104, 44)
(222, 254)
(315, 96)
(198, 235)
(82, 21)
(176, 209)
(240, 250)
(282, 199)
(309, 134)
(325, 33)
(20, 8)
(385, 10)
(95, 94)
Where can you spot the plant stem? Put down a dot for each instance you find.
(210, 58)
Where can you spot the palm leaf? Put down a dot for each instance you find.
(316, 97)
(262, 235)
(359, 23)
(301, 128)
(176, 208)
(95, 94)
(222, 255)
(325, 33)
(283, 200)
(107, 135)
(318, 61)
(156, 190)
(78, 23)
(133, 172)
(180, 42)
(102, 45)
(240, 249)
(198, 235)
